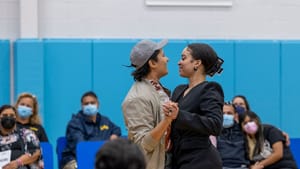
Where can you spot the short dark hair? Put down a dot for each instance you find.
(89, 93)
(140, 73)
(7, 106)
(229, 103)
(120, 154)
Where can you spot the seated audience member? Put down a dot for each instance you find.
(266, 146)
(17, 145)
(87, 125)
(28, 115)
(231, 143)
(241, 103)
(120, 154)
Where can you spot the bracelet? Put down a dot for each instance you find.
(19, 162)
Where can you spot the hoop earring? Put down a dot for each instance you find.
(195, 69)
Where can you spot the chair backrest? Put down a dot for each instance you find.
(60, 146)
(86, 153)
(47, 153)
(295, 148)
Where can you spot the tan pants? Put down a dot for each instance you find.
(71, 165)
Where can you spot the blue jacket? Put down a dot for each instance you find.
(81, 128)
(231, 146)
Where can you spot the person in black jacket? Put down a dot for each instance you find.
(200, 110)
(231, 143)
(87, 125)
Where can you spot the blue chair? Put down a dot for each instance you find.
(47, 153)
(295, 148)
(60, 146)
(86, 152)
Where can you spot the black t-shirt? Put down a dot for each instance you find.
(273, 135)
(37, 129)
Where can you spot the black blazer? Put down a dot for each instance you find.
(200, 115)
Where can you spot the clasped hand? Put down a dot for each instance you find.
(170, 110)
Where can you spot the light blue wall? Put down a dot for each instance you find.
(29, 70)
(257, 71)
(290, 90)
(111, 77)
(4, 72)
(68, 74)
(60, 71)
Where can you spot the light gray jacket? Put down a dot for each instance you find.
(142, 111)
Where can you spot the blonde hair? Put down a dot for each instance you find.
(34, 118)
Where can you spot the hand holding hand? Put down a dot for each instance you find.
(171, 110)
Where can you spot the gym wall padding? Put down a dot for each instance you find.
(4, 72)
(257, 71)
(29, 69)
(290, 88)
(264, 71)
(111, 77)
(68, 74)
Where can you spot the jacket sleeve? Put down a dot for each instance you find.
(74, 134)
(209, 121)
(114, 128)
(140, 118)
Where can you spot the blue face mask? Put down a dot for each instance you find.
(90, 109)
(24, 111)
(240, 109)
(228, 120)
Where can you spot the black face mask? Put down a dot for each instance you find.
(8, 122)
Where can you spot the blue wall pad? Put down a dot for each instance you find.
(68, 74)
(59, 71)
(111, 79)
(257, 70)
(29, 70)
(4, 72)
(290, 87)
